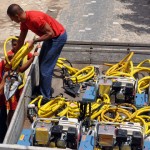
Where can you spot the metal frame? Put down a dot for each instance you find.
(77, 52)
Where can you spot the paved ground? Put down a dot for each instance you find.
(89, 20)
(108, 20)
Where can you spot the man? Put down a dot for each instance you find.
(50, 31)
(12, 103)
(13, 51)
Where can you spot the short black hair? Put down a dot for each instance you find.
(14, 40)
(14, 9)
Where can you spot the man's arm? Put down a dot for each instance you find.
(25, 66)
(3, 83)
(21, 39)
(48, 34)
(2, 86)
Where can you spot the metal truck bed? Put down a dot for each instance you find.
(80, 54)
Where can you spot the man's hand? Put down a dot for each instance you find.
(5, 75)
(35, 54)
(31, 44)
(37, 47)
(10, 56)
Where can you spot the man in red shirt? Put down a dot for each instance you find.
(50, 31)
(12, 52)
(12, 103)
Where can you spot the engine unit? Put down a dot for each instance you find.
(49, 132)
(123, 90)
(119, 135)
(104, 86)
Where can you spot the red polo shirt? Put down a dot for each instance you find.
(11, 52)
(36, 20)
(12, 103)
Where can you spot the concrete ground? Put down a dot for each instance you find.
(108, 20)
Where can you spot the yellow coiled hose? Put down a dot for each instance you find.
(5, 51)
(125, 67)
(61, 63)
(122, 115)
(50, 108)
(102, 107)
(143, 84)
(83, 74)
(57, 107)
(71, 110)
(105, 106)
(75, 74)
(120, 68)
(19, 56)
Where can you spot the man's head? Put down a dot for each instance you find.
(14, 44)
(16, 13)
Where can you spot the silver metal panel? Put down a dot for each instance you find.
(16, 124)
(19, 147)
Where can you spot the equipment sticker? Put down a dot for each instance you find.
(21, 137)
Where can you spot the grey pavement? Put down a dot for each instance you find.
(107, 20)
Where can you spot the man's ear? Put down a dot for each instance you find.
(17, 16)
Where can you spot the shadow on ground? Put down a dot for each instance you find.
(139, 20)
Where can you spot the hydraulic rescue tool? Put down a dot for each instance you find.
(122, 135)
(53, 132)
(11, 84)
(123, 90)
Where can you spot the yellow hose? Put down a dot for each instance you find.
(56, 107)
(83, 74)
(143, 84)
(145, 61)
(121, 68)
(19, 56)
(75, 74)
(60, 63)
(102, 107)
(5, 51)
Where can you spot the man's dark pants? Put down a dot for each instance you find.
(49, 55)
(3, 126)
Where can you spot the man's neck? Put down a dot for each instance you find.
(23, 17)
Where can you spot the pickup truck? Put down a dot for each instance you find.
(79, 54)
